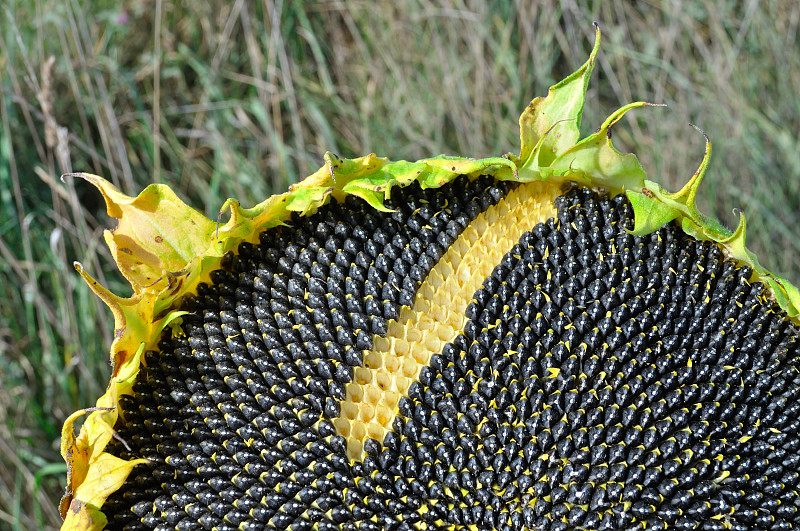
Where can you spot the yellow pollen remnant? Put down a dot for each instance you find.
(438, 315)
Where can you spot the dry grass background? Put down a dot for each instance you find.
(241, 98)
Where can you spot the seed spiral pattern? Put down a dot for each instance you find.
(602, 381)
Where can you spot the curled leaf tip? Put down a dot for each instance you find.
(70, 174)
(701, 132)
(112, 300)
(688, 194)
(739, 234)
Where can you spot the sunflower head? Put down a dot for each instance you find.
(546, 339)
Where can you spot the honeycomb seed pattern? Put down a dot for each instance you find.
(599, 381)
(438, 314)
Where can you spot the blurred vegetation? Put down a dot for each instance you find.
(241, 99)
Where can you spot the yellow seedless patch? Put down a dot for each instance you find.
(438, 314)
